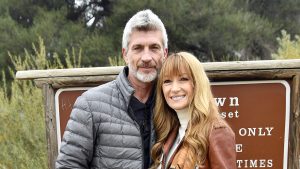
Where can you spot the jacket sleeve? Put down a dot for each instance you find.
(76, 149)
(222, 154)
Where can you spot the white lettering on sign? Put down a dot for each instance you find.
(220, 101)
(255, 163)
(266, 131)
(230, 114)
(233, 101)
(239, 148)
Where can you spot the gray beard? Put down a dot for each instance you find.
(141, 76)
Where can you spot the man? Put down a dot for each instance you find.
(110, 125)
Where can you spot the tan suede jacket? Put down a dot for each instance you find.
(221, 151)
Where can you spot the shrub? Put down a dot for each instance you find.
(22, 122)
(288, 48)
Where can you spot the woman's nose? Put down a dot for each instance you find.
(175, 86)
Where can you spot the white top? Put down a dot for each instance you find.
(184, 118)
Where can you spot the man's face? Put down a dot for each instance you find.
(145, 55)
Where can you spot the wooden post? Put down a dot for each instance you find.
(50, 119)
(294, 144)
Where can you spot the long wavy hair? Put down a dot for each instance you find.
(204, 111)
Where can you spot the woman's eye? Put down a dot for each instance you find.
(184, 79)
(167, 81)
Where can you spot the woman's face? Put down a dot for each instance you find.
(178, 90)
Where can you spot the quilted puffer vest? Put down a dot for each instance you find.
(101, 132)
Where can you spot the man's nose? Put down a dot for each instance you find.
(146, 56)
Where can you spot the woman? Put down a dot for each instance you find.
(190, 132)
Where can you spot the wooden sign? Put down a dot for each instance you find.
(258, 112)
(64, 101)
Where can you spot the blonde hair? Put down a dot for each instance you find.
(204, 111)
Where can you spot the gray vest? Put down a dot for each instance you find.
(101, 133)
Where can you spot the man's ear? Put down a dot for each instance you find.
(124, 55)
(165, 53)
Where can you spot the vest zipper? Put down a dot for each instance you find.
(141, 136)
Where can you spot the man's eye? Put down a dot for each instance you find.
(136, 48)
(155, 47)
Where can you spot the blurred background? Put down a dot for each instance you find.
(47, 34)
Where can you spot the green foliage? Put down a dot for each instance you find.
(22, 121)
(288, 48)
(116, 61)
(13, 37)
(22, 128)
(48, 20)
(209, 29)
(97, 47)
(284, 14)
(220, 29)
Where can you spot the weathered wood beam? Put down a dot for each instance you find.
(50, 120)
(87, 81)
(294, 139)
(209, 66)
(72, 72)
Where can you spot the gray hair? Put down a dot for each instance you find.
(144, 20)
